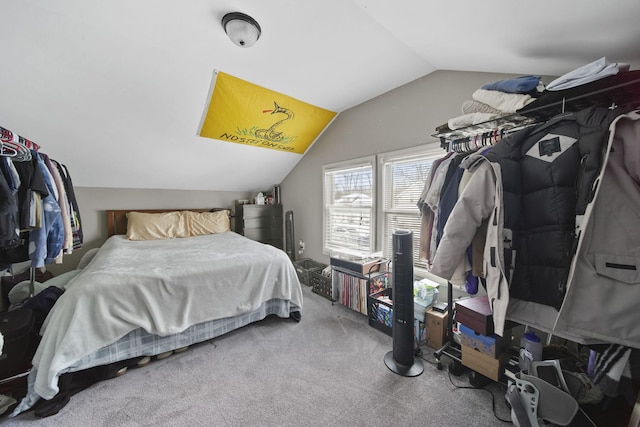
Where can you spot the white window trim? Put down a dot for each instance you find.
(428, 150)
(331, 167)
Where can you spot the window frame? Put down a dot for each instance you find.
(430, 152)
(366, 161)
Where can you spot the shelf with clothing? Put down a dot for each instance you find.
(622, 89)
(481, 134)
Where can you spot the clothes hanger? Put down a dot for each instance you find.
(7, 151)
(459, 146)
(22, 153)
(27, 143)
(8, 140)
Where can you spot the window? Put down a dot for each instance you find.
(404, 174)
(349, 193)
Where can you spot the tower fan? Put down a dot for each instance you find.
(401, 359)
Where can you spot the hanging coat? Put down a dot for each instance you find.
(531, 186)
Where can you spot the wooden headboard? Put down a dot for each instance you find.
(117, 219)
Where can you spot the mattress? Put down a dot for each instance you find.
(148, 297)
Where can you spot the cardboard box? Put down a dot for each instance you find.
(475, 313)
(491, 345)
(436, 328)
(484, 364)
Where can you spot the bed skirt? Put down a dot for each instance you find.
(139, 343)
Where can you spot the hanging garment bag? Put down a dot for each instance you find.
(21, 339)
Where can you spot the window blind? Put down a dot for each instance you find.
(349, 193)
(403, 177)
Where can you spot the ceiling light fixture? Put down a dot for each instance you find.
(242, 29)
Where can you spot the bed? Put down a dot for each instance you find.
(162, 280)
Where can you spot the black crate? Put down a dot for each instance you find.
(321, 285)
(304, 267)
(380, 312)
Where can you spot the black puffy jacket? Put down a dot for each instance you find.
(548, 174)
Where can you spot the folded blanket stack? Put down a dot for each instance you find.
(507, 103)
(470, 119)
(527, 96)
(473, 106)
(497, 99)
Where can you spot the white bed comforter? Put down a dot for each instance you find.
(163, 286)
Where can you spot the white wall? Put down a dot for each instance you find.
(93, 203)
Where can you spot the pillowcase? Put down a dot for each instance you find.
(201, 223)
(87, 257)
(156, 226)
(20, 292)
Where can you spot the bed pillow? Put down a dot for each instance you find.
(201, 223)
(87, 257)
(156, 226)
(20, 292)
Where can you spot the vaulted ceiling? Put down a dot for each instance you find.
(116, 89)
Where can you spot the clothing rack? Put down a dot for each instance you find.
(476, 141)
(450, 348)
(18, 148)
(7, 135)
(624, 91)
(484, 133)
(32, 281)
(470, 138)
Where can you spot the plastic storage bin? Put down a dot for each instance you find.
(321, 284)
(380, 311)
(304, 268)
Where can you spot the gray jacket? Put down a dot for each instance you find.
(603, 292)
(480, 199)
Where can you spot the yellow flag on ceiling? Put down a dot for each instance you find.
(245, 113)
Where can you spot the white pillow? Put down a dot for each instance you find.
(20, 292)
(87, 257)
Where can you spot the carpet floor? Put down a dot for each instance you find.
(327, 370)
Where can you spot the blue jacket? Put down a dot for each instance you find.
(45, 243)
